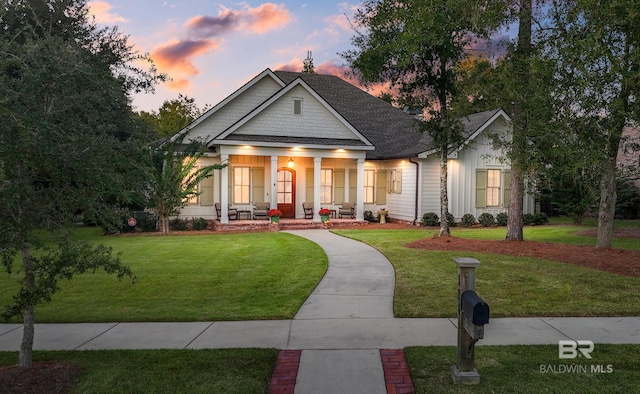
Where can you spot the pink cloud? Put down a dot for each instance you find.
(100, 10)
(176, 58)
(258, 20)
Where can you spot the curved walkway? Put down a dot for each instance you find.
(338, 337)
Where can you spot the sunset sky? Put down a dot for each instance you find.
(211, 48)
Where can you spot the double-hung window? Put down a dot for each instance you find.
(241, 185)
(369, 186)
(326, 186)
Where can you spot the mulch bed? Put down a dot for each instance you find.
(43, 377)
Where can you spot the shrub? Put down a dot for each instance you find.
(430, 219)
(148, 223)
(540, 218)
(451, 220)
(199, 224)
(468, 220)
(368, 216)
(501, 219)
(486, 219)
(178, 224)
(528, 219)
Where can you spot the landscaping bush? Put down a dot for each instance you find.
(451, 220)
(148, 223)
(468, 220)
(486, 219)
(528, 219)
(501, 219)
(540, 218)
(368, 216)
(178, 224)
(430, 219)
(199, 224)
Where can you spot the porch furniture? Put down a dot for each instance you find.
(308, 210)
(245, 212)
(261, 209)
(347, 209)
(233, 213)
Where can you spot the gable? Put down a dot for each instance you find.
(234, 107)
(278, 119)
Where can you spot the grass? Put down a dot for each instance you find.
(190, 278)
(426, 281)
(166, 371)
(517, 369)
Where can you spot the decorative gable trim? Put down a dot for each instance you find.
(226, 136)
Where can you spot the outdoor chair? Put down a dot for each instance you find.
(233, 213)
(261, 209)
(347, 209)
(308, 210)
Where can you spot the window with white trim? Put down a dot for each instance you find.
(395, 181)
(493, 188)
(241, 185)
(369, 186)
(326, 186)
(297, 106)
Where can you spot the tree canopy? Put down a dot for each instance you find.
(69, 143)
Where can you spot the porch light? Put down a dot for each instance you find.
(290, 163)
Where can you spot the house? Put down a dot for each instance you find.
(292, 137)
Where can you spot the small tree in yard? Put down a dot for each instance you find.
(175, 176)
(66, 145)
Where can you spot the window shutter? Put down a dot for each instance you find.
(257, 184)
(381, 187)
(206, 191)
(506, 197)
(399, 181)
(309, 194)
(481, 188)
(338, 190)
(353, 185)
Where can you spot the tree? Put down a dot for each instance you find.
(415, 45)
(596, 47)
(67, 145)
(173, 115)
(175, 176)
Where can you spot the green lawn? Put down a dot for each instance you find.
(517, 369)
(426, 281)
(190, 278)
(166, 371)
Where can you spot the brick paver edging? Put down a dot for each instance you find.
(285, 373)
(396, 372)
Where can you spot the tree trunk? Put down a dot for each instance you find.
(607, 209)
(26, 347)
(515, 220)
(444, 196)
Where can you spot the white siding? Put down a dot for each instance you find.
(430, 187)
(234, 110)
(279, 120)
(401, 206)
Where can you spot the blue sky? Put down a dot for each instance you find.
(211, 48)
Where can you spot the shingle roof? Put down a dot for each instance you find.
(393, 132)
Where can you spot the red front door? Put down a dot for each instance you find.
(287, 192)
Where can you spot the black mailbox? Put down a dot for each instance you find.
(474, 308)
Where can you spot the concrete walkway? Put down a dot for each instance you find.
(340, 329)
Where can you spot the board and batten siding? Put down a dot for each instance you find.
(430, 181)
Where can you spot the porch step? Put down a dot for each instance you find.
(285, 224)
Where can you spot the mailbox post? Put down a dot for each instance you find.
(473, 314)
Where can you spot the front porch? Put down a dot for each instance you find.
(284, 224)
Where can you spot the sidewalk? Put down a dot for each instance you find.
(338, 334)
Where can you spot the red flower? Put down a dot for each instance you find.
(324, 211)
(274, 212)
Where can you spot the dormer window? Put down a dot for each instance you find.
(297, 106)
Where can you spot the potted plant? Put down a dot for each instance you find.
(324, 214)
(274, 214)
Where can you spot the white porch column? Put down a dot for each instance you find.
(317, 167)
(360, 191)
(273, 197)
(224, 190)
